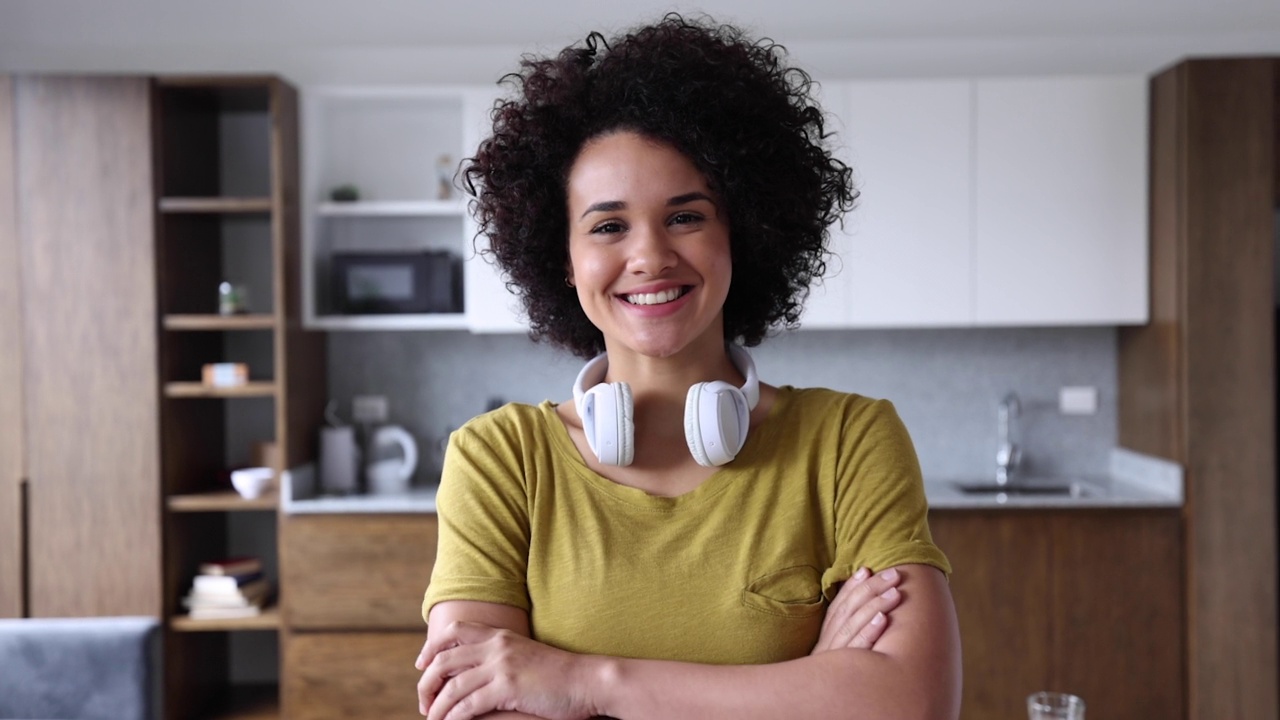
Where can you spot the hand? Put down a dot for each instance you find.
(473, 669)
(859, 614)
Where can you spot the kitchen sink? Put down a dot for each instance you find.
(1054, 488)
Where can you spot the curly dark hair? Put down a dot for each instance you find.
(728, 103)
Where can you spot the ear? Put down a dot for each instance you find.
(568, 275)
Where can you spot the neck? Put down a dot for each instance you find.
(659, 385)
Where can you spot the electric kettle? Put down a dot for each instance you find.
(390, 475)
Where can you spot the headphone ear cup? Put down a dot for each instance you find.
(716, 417)
(626, 424)
(693, 426)
(608, 425)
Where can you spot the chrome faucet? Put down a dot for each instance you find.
(1008, 454)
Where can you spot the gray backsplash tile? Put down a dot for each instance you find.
(945, 383)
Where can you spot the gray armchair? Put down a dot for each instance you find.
(80, 669)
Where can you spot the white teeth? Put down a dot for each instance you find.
(657, 298)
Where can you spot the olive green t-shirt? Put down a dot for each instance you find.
(737, 571)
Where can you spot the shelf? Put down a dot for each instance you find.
(200, 390)
(222, 500)
(219, 322)
(394, 208)
(215, 204)
(423, 321)
(268, 620)
(252, 702)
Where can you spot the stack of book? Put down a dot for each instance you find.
(230, 588)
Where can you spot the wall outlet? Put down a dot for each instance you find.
(369, 408)
(1078, 400)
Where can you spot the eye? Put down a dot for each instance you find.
(685, 218)
(608, 227)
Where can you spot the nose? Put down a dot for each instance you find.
(652, 250)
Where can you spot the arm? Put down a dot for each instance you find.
(912, 673)
(503, 617)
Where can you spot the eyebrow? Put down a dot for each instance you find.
(615, 205)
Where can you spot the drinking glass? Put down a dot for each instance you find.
(1054, 706)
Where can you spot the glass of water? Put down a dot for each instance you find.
(1054, 706)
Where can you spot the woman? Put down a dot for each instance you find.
(674, 542)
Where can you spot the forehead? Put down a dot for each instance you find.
(627, 164)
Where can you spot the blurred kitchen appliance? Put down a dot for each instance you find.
(390, 475)
(397, 282)
(339, 459)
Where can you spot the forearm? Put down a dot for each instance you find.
(847, 683)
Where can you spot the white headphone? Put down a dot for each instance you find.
(716, 414)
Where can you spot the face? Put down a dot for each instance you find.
(648, 247)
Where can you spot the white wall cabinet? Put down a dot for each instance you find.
(908, 247)
(989, 202)
(1060, 211)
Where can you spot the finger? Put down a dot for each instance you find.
(859, 631)
(457, 697)
(445, 665)
(480, 701)
(424, 656)
(854, 596)
(840, 603)
(871, 632)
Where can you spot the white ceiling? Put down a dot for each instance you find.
(860, 36)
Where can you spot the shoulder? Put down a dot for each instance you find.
(510, 425)
(827, 406)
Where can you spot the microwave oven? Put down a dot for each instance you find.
(397, 282)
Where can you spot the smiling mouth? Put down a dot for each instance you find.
(658, 298)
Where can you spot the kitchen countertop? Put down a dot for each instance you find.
(1134, 481)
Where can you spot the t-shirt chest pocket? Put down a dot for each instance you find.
(794, 592)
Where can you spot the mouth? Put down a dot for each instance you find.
(657, 298)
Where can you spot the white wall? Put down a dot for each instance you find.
(404, 41)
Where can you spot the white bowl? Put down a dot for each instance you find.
(252, 482)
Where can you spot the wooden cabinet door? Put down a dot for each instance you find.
(85, 207)
(1081, 601)
(11, 430)
(342, 572)
(350, 676)
(999, 581)
(1116, 599)
(1060, 209)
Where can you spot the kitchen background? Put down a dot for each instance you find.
(945, 382)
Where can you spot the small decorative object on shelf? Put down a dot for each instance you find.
(231, 588)
(252, 481)
(444, 176)
(238, 565)
(345, 193)
(224, 374)
(232, 299)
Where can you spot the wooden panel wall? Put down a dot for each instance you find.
(1150, 369)
(299, 354)
(1198, 386)
(12, 441)
(85, 189)
(1230, 386)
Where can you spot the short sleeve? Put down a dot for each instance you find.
(881, 511)
(483, 546)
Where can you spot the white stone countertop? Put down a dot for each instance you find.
(1135, 481)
